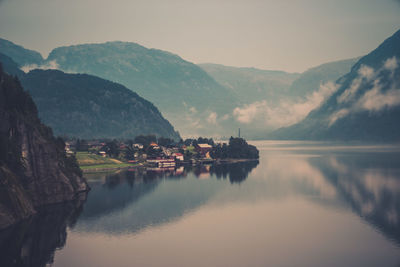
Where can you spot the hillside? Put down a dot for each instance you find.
(366, 105)
(208, 99)
(19, 54)
(9, 66)
(85, 106)
(185, 94)
(250, 84)
(311, 79)
(34, 169)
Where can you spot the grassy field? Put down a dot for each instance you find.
(105, 166)
(89, 161)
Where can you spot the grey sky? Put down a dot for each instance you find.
(271, 34)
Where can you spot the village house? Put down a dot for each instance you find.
(203, 149)
(178, 156)
(138, 146)
(154, 145)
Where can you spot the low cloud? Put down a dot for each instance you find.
(51, 65)
(286, 112)
(212, 118)
(193, 110)
(338, 115)
(248, 113)
(391, 64)
(375, 99)
(365, 73)
(225, 117)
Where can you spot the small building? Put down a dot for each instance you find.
(70, 146)
(162, 162)
(103, 154)
(178, 156)
(139, 146)
(203, 149)
(154, 145)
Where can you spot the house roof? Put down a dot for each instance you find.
(204, 146)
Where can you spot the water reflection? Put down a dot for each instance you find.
(370, 184)
(33, 242)
(344, 204)
(121, 203)
(367, 183)
(234, 172)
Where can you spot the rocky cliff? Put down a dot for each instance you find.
(34, 169)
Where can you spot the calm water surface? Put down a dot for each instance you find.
(303, 204)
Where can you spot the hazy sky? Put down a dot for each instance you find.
(271, 34)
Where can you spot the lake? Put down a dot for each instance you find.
(303, 204)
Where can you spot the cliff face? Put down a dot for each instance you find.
(34, 169)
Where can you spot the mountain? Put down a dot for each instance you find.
(207, 99)
(9, 66)
(366, 105)
(34, 169)
(85, 106)
(19, 54)
(311, 79)
(183, 92)
(274, 99)
(250, 84)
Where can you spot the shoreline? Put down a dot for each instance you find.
(144, 165)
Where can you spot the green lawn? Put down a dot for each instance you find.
(89, 161)
(105, 166)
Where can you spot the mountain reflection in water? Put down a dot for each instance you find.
(128, 190)
(330, 185)
(370, 184)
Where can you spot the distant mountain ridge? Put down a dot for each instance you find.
(19, 54)
(183, 92)
(10, 66)
(366, 105)
(204, 99)
(275, 98)
(85, 106)
(312, 78)
(251, 84)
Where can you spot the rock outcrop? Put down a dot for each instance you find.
(34, 169)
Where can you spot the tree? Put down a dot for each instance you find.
(188, 142)
(130, 150)
(165, 141)
(112, 148)
(202, 140)
(145, 140)
(82, 145)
